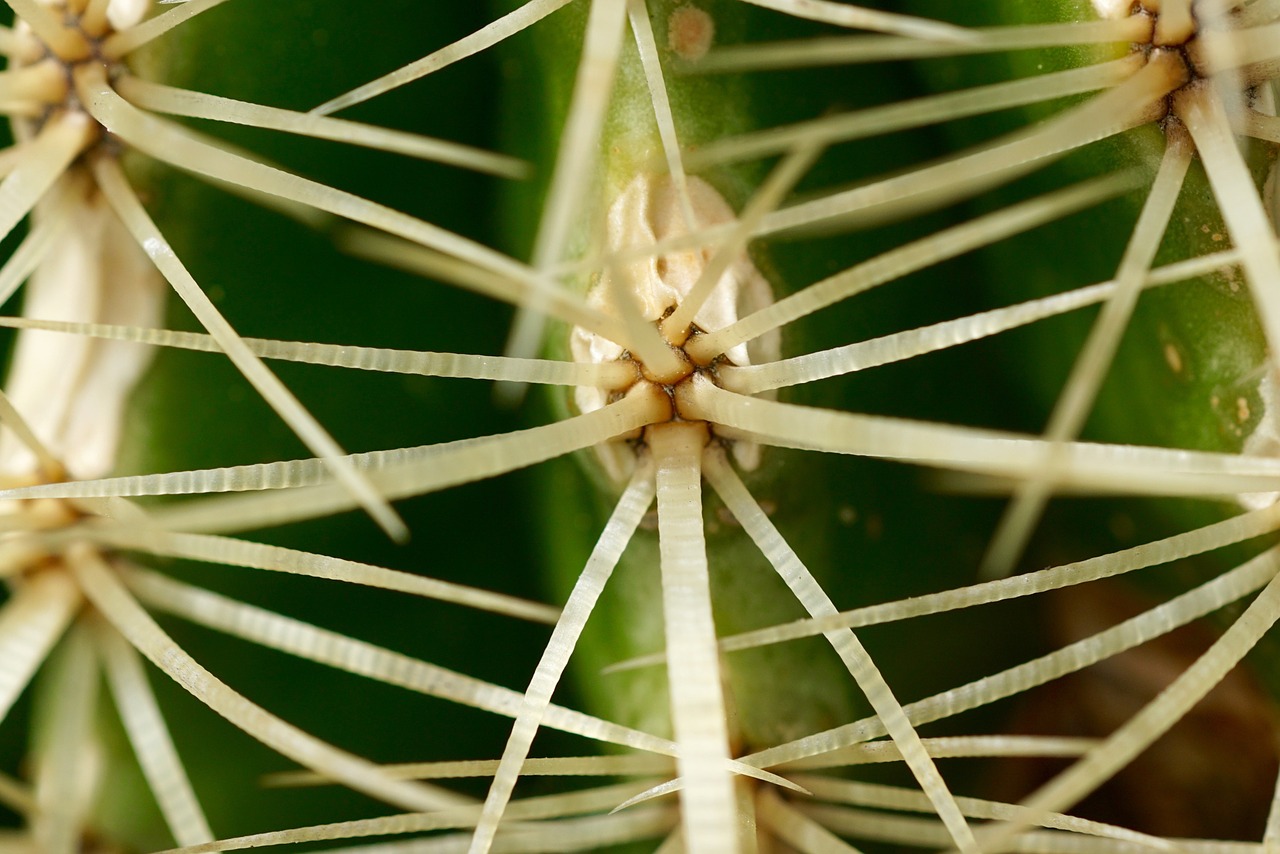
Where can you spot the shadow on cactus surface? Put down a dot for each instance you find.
(841, 324)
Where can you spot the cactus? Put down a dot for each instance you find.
(716, 261)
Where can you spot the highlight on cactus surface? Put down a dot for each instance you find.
(708, 344)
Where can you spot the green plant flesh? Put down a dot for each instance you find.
(898, 471)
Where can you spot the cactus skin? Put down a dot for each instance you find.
(283, 279)
(1189, 368)
(572, 496)
(287, 280)
(1193, 350)
(1191, 372)
(856, 523)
